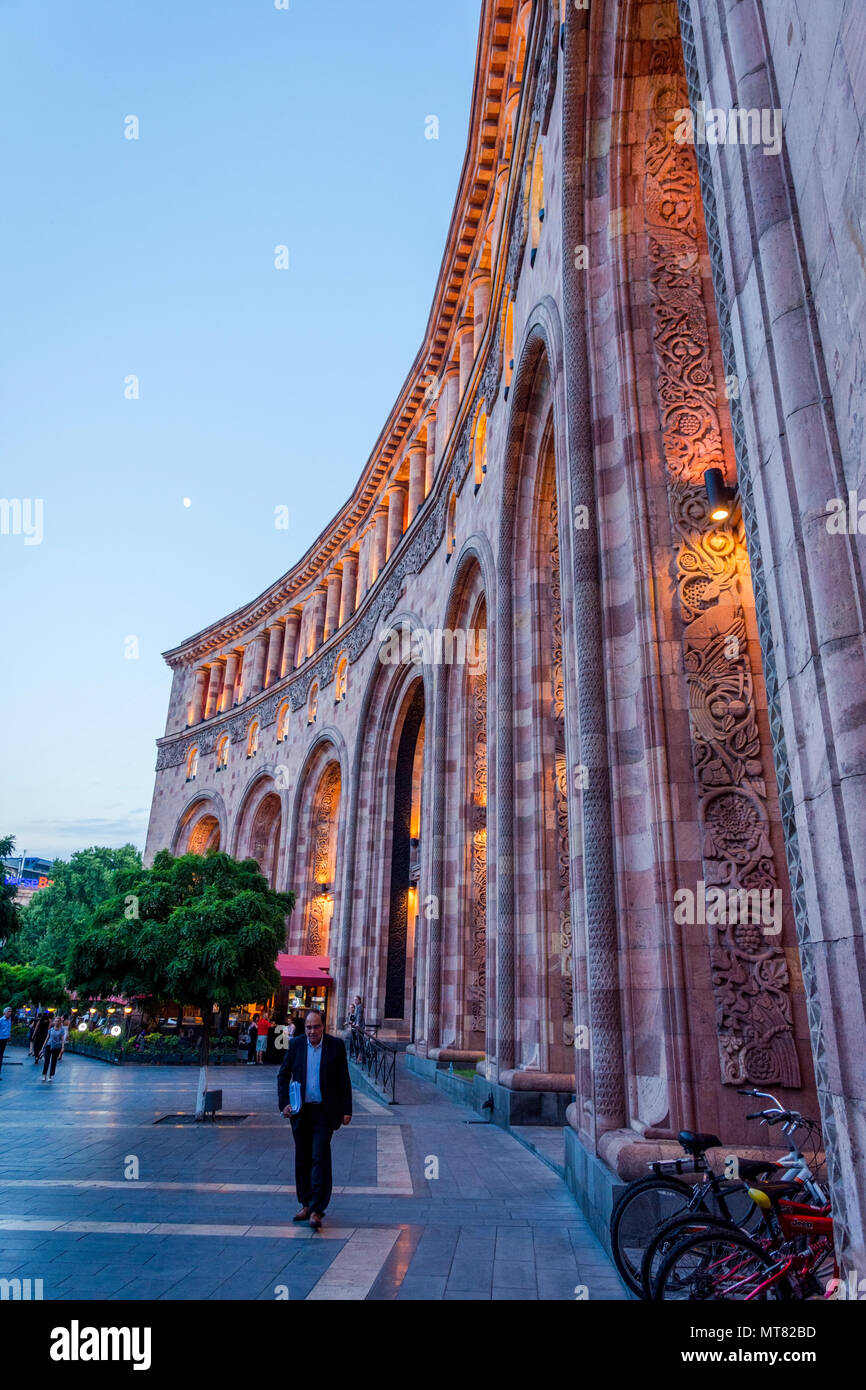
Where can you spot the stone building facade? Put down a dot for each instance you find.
(567, 774)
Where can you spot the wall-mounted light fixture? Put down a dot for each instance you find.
(720, 497)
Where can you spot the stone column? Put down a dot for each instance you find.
(229, 682)
(363, 566)
(275, 645)
(466, 356)
(417, 455)
(447, 412)
(320, 599)
(257, 664)
(290, 642)
(350, 587)
(332, 610)
(396, 502)
(430, 460)
(480, 288)
(213, 690)
(380, 543)
(196, 705)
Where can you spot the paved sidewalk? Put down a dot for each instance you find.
(100, 1203)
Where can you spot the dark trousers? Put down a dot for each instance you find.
(52, 1055)
(3, 1042)
(313, 1180)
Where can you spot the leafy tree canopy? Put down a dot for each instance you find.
(10, 913)
(199, 930)
(31, 984)
(57, 915)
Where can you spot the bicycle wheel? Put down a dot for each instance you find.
(643, 1207)
(718, 1266)
(662, 1242)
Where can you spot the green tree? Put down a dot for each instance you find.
(10, 914)
(197, 930)
(57, 915)
(31, 984)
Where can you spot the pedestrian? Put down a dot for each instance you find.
(317, 1063)
(40, 1033)
(64, 1024)
(52, 1049)
(5, 1033)
(262, 1039)
(358, 1013)
(253, 1033)
(30, 1031)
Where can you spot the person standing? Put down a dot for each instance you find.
(262, 1039)
(5, 1033)
(52, 1049)
(253, 1033)
(40, 1033)
(317, 1061)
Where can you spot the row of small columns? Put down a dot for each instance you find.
(275, 652)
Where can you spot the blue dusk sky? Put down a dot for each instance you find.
(154, 258)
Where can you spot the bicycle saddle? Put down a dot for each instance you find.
(697, 1143)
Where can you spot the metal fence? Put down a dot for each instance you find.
(377, 1059)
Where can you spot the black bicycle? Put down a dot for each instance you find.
(650, 1203)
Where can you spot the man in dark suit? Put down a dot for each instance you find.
(318, 1063)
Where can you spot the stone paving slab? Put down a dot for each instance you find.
(103, 1205)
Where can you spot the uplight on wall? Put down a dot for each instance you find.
(720, 497)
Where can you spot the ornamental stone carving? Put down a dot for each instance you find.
(748, 966)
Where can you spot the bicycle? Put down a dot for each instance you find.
(796, 1169)
(651, 1202)
(794, 1259)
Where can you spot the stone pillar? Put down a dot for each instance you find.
(213, 690)
(196, 705)
(350, 586)
(332, 611)
(447, 412)
(363, 565)
(396, 503)
(417, 454)
(380, 543)
(466, 356)
(430, 460)
(317, 633)
(257, 664)
(480, 288)
(229, 681)
(290, 642)
(275, 646)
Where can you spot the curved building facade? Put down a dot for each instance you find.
(555, 736)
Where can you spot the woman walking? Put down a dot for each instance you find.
(40, 1033)
(52, 1049)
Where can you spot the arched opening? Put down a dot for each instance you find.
(341, 680)
(265, 836)
(283, 722)
(508, 346)
(480, 448)
(192, 765)
(451, 526)
(313, 703)
(253, 739)
(204, 835)
(536, 204)
(407, 777)
(322, 862)
(222, 753)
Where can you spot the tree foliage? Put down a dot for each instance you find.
(31, 984)
(58, 915)
(199, 930)
(10, 913)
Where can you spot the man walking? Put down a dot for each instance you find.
(5, 1033)
(317, 1062)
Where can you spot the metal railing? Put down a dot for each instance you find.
(378, 1059)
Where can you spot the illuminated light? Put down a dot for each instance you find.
(82, 1027)
(720, 497)
(116, 1030)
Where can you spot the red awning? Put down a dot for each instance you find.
(304, 970)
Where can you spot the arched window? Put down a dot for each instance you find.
(480, 448)
(191, 764)
(508, 346)
(253, 739)
(451, 526)
(313, 703)
(341, 679)
(283, 722)
(222, 752)
(536, 204)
